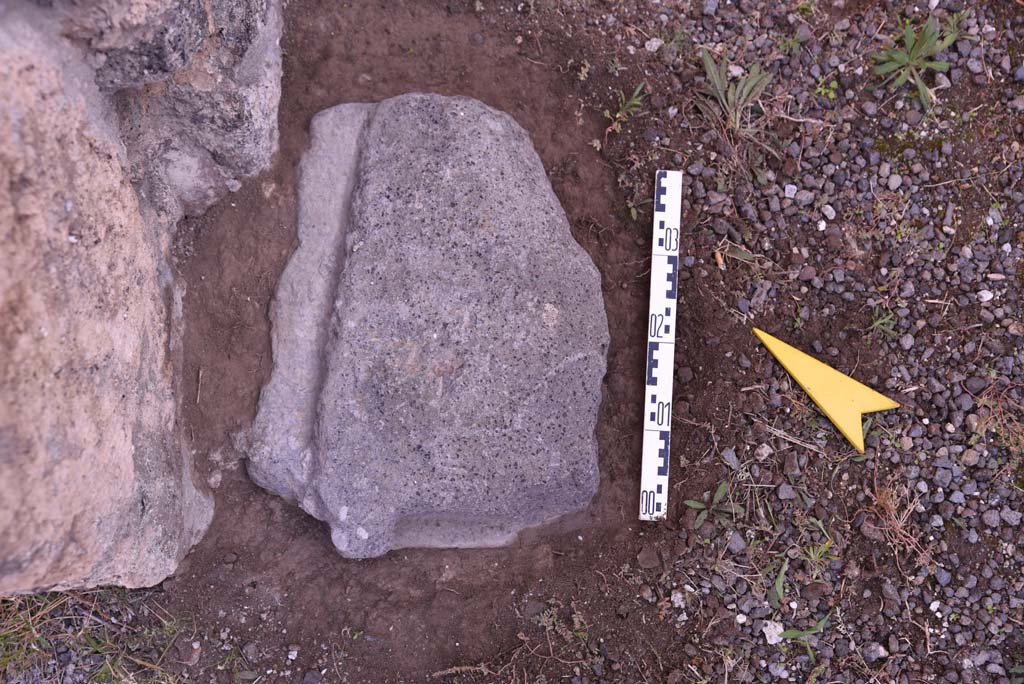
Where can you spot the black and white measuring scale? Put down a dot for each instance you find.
(661, 337)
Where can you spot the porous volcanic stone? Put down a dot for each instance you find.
(439, 338)
(95, 487)
(197, 84)
(134, 42)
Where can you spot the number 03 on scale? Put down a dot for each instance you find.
(661, 338)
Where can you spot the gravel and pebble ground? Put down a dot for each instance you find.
(887, 238)
(79, 637)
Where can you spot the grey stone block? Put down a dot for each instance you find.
(439, 337)
(199, 87)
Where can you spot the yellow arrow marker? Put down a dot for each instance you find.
(840, 397)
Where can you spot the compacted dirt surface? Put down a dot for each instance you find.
(848, 219)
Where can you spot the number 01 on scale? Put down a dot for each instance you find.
(661, 337)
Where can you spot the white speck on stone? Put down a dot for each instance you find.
(551, 315)
(362, 533)
(828, 211)
(741, 619)
(985, 296)
(772, 632)
(343, 513)
(789, 191)
(678, 600)
(654, 44)
(822, 225)
(874, 651)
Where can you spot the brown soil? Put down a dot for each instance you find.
(266, 571)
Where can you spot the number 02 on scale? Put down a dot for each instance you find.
(661, 337)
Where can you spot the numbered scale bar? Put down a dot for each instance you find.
(661, 337)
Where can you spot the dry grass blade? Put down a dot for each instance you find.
(894, 510)
(1003, 419)
(480, 669)
(813, 448)
(39, 632)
